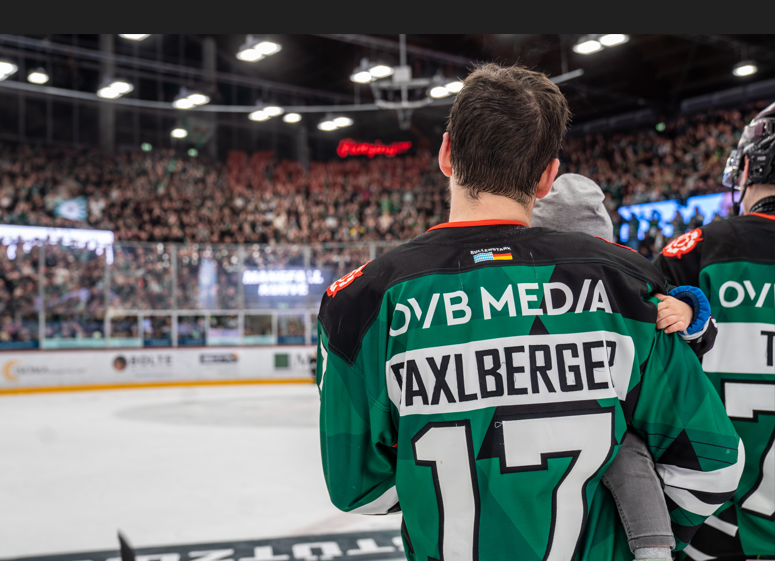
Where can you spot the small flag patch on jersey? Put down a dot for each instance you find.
(490, 256)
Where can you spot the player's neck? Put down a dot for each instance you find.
(463, 208)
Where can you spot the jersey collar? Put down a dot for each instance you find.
(762, 215)
(471, 223)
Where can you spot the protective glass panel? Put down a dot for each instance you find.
(19, 297)
(141, 277)
(337, 260)
(125, 332)
(290, 329)
(275, 278)
(313, 329)
(74, 331)
(191, 331)
(157, 331)
(208, 278)
(224, 330)
(258, 330)
(73, 280)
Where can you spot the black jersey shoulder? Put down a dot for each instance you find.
(348, 314)
(741, 238)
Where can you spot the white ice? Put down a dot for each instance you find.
(166, 467)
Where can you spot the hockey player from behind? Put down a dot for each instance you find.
(733, 262)
(480, 378)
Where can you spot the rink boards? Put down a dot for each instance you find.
(23, 371)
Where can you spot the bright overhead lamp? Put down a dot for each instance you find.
(7, 68)
(327, 126)
(134, 36)
(292, 118)
(381, 71)
(438, 92)
(341, 122)
(745, 68)
(259, 115)
(249, 55)
(182, 103)
(187, 99)
(268, 48)
(454, 87)
(198, 98)
(368, 72)
(255, 48)
(587, 46)
(108, 93)
(361, 77)
(273, 110)
(613, 39)
(112, 88)
(37, 76)
(179, 133)
(122, 87)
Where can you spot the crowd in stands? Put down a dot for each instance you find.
(163, 197)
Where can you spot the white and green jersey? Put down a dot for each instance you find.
(480, 379)
(733, 262)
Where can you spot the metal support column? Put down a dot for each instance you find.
(107, 109)
(209, 67)
(173, 249)
(106, 293)
(41, 293)
(241, 293)
(307, 327)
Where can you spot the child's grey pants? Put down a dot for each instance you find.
(637, 490)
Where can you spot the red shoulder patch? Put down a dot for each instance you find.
(346, 280)
(683, 244)
(614, 243)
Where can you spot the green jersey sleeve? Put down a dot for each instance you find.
(357, 435)
(698, 454)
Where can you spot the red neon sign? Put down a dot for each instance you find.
(349, 147)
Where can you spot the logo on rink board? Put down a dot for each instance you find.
(364, 546)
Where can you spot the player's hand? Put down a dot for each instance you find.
(673, 314)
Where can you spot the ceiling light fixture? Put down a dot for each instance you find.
(745, 68)
(179, 133)
(113, 89)
(292, 118)
(259, 115)
(255, 48)
(134, 36)
(189, 99)
(438, 92)
(587, 46)
(37, 76)
(454, 87)
(613, 39)
(6, 69)
(369, 71)
(332, 123)
(274, 110)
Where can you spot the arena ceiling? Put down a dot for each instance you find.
(652, 72)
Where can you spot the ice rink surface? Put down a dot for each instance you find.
(166, 467)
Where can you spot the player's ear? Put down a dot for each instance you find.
(445, 156)
(547, 179)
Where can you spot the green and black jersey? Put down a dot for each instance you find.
(480, 379)
(733, 262)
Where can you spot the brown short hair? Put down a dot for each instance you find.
(505, 126)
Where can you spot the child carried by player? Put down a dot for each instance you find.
(575, 204)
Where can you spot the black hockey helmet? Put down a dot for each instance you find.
(757, 143)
